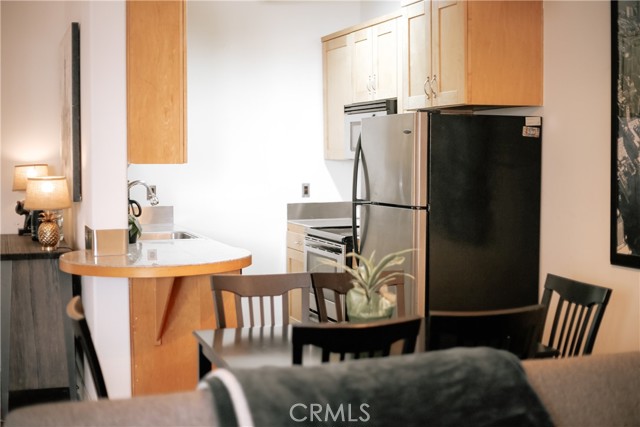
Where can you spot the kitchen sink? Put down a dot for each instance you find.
(167, 235)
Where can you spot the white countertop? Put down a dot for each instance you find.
(160, 258)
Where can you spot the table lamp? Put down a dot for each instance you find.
(48, 193)
(20, 175)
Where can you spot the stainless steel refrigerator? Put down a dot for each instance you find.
(463, 191)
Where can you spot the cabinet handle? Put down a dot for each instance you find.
(374, 84)
(434, 80)
(369, 89)
(424, 87)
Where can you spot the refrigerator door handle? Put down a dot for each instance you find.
(356, 166)
(354, 196)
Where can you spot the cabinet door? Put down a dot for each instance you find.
(295, 264)
(156, 82)
(504, 62)
(416, 55)
(362, 76)
(448, 49)
(337, 94)
(384, 78)
(295, 261)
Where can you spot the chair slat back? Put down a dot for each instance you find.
(75, 311)
(515, 330)
(258, 296)
(339, 284)
(579, 308)
(356, 339)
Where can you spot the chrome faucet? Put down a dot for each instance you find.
(151, 194)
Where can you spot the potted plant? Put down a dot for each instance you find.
(135, 229)
(369, 299)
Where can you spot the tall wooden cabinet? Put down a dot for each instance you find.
(477, 54)
(156, 82)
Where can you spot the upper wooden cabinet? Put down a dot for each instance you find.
(375, 62)
(336, 58)
(156, 82)
(472, 53)
(361, 63)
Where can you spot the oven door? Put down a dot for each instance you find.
(316, 251)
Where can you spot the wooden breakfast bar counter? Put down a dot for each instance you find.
(169, 297)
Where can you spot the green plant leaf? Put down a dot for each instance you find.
(135, 228)
(370, 276)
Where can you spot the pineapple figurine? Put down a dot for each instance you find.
(48, 231)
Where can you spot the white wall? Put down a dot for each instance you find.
(31, 75)
(255, 134)
(30, 132)
(576, 168)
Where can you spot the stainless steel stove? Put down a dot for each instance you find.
(322, 244)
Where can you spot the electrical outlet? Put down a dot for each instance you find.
(306, 190)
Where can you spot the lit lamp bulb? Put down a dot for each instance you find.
(48, 193)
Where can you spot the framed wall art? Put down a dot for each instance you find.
(625, 133)
(70, 134)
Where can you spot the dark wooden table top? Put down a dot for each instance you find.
(15, 247)
(252, 347)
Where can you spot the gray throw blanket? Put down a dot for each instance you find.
(458, 387)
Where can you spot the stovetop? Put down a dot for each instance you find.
(331, 233)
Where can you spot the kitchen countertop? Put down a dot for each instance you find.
(160, 258)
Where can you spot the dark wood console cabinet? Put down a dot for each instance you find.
(35, 331)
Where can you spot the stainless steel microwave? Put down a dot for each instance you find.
(353, 115)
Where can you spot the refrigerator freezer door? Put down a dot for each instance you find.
(484, 219)
(385, 229)
(394, 159)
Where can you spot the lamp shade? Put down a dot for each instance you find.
(47, 193)
(22, 172)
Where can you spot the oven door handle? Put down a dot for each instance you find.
(321, 249)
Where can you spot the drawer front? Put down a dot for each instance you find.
(295, 241)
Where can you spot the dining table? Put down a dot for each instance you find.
(249, 347)
(259, 346)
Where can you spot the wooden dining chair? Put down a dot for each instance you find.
(515, 329)
(356, 339)
(576, 318)
(82, 334)
(257, 298)
(338, 284)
